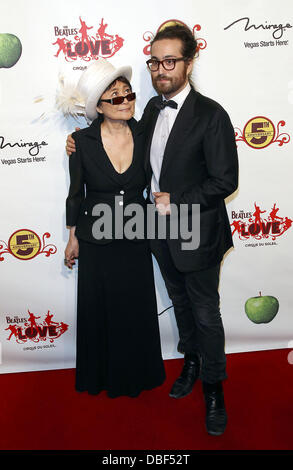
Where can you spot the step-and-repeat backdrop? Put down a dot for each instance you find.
(244, 62)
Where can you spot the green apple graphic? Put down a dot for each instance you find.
(261, 309)
(10, 50)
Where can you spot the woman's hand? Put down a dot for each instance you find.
(71, 250)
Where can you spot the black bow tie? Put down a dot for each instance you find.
(163, 104)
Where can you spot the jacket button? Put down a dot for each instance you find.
(121, 192)
(85, 212)
(120, 203)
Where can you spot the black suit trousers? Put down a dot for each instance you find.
(195, 300)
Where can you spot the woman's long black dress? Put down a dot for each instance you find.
(118, 340)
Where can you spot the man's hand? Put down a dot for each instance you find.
(70, 144)
(162, 202)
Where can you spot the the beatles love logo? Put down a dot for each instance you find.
(37, 331)
(257, 226)
(81, 43)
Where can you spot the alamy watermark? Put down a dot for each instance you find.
(178, 222)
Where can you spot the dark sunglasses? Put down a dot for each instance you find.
(120, 99)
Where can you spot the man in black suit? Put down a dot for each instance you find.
(191, 158)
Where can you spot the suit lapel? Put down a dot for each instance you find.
(149, 132)
(179, 132)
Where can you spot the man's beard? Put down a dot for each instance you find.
(171, 85)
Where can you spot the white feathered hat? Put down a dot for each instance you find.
(92, 83)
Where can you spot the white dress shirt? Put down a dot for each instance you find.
(162, 130)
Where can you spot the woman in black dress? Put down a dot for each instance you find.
(118, 341)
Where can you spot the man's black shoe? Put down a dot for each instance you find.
(190, 373)
(216, 416)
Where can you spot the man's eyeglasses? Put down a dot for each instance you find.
(120, 99)
(168, 64)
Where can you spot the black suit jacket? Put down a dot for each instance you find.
(200, 166)
(93, 180)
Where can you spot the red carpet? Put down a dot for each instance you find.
(42, 411)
